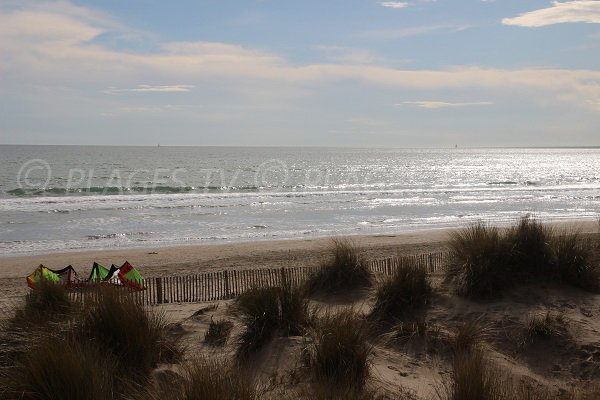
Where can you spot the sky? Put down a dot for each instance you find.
(417, 73)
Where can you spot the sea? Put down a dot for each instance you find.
(69, 198)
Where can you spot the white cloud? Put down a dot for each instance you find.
(52, 49)
(151, 88)
(394, 4)
(348, 55)
(399, 33)
(429, 104)
(583, 11)
(366, 121)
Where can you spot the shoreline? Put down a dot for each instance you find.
(193, 258)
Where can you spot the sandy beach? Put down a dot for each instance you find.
(192, 259)
(417, 369)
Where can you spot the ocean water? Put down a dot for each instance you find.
(57, 198)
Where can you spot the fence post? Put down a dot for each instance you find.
(226, 277)
(283, 277)
(159, 290)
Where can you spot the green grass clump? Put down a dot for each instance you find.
(473, 377)
(218, 332)
(48, 301)
(529, 248)
(346, 269)
(573, 260)
(260, 313)
(477, 263)
(215, 380)
(339, 355)
(546, 325)
(469, 335)
(485, 261)
(61, 368)
(45, 308)
(266, 311)
(407, 291)
(294, 312)
(123, 327)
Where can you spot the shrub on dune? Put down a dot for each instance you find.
(528, 248)
(260, 313)
(485, 261)
(401, 295)
(573, 261)
(124, 328)
(266, 311)
(48, 301)
(478, 264)
(218, 332)
(215, 380)
(345, 270)
(339, 354)
(469, 335)
(473, 377)
(59, 368)
(294, 309)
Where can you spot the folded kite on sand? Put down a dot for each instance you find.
(126, 275)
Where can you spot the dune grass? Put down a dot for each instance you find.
(477, 264)
(469, 335)
(45, 307)
(402, 295)
(213, 379)
(338, 357)
(546, 325)
(218, 332)
(104, 349)
(573, 260)
(473, 377)
(485, 261)
(260, 314)
(294, 311)
(62, 368)
(267, 311)
(123, 327)
(346, 269)
(48, 301)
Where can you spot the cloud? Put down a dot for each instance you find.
(394, 4)
(366, 121)
(348, 54)
(582, 11)
(151, 88)
(429, 104)
(53, 49)
(399, 33)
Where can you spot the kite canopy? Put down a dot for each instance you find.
(66, 277)
(125, 275)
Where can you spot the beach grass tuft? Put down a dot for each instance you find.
(123, 327)
(346, 269)
(485, 261)
(403, 294)
(265, 311)
(469, 335)
(61, 368)
(339, 355)
(214, 379)
(218, 332)
(546, 325)
(48, 301)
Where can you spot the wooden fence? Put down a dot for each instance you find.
(221, 285)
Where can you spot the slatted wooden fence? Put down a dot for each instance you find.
(221, 285)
